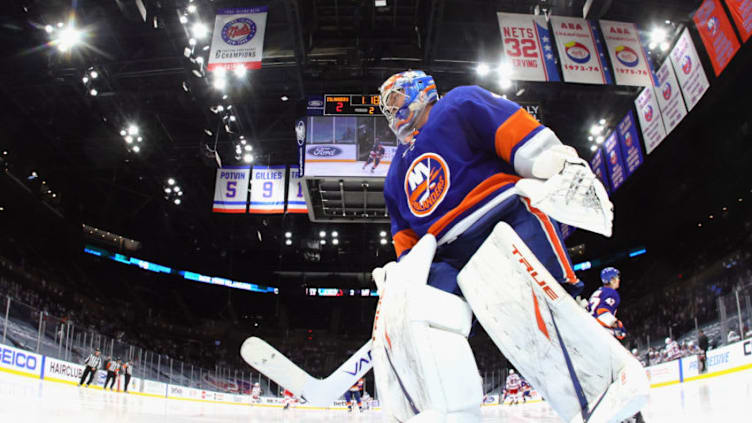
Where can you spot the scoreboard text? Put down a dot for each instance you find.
(351, 105)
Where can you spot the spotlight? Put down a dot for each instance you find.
(335, 234)
(382, 234)
(322, 242)
(505, 83)
(593, 147)
(59, 24)
(168, 190)
(139, 139)
(233, 118)
(239, 71)
(590, 138)
(136, 149)
(85, 79)
(192, 42)
(322, 234)
(288, 234)
(505, 68)
(247, 148)
(177, 201)
(132, 130)
(93, 92)
(595, 129)
(383, 241)
(94, 74)
(288, 242)
(665, 45)
(248, 158)
(220, 84)
(284, 98)
(171, 181)
(191, 8)
(602, 122)
(123, 133)
(483, 69)
(69, 38)
(335, 241)
(183, 19)
(128, 139)
(658, 35)
(199, 30)
(599, 139)
(49, 29)
(652, 45)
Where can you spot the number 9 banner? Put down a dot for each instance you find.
(268, 190)
(231, 189)
(527, 47)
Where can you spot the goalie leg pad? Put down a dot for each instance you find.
(423, 364)
(577, 366)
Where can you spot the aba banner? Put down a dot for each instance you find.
(651, 121)
(741, 11)
(295, 199)
(692, 78)
(628, 56)
(580, 51)
(614, 160)
(669, 98)
(527, 47)
(630, 143)
(268, 190)
(231, 189)
(238, 38)
(716, 33)
(599, 168)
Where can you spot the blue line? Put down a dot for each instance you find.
(235, 167)
(681, 371)
(299, 203)
(230, 202)
(41, 376)
(275, 203)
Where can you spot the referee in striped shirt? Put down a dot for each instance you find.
(91, 365)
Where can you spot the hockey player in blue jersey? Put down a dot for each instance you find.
(605, 300)
(471, 191)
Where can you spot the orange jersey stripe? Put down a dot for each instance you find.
(602, 310)
(404, 240)
(555, 241)
(478, 193)
(512, 131)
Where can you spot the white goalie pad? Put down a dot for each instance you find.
(424, 367)
(582, 372)
(573, 196)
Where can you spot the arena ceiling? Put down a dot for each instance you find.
(52, 125)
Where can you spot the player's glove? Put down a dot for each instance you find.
(619, 331)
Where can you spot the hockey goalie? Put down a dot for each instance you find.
(475, 192)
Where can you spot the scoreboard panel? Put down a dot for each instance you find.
(351, 105)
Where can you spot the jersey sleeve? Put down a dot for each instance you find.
(503, 127)
(403, 236)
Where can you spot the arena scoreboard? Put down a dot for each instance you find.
(351, 105)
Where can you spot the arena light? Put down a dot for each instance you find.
(599, 139)
(177, 201)
(483, 69)
(658, 35)
(335, 241)
(383, 241)
(93, 92)
(69, 37)
(49, 29)
(590, 138)
(322, 242)
(596, 129)
(593, 147)
(505, 83)
(219, 83)
(322, 234)
(128, 139)
(288, 242)
(85, 79)
(335, 234)
(284, 98)
(665, 45)
(168, 190)
(191, 8)
(248, 158)
(288, 234)
(171, 181)
(132, 129)
(382, 234)
(239, 71)
(192, 42)
(123, 132)
(183, 19)
(94, 74)
(199, 30)
(602, 122)
(505, 68)
(247, 147)
(136, 149)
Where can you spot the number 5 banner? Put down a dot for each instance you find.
(268, 190)
(231, 189)
(295, 199)
(527, 47)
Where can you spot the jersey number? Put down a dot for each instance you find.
(528, 47)
(267, 189)
(230, 191)
(300, 190)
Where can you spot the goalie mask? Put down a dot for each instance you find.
(404, 97)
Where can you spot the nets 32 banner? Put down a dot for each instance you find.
(669, 97)
(231, 189)
(716, 33)
(527, 47)
(628, 56)
(651, 121)
(580, 51)
(238, 38)
(741, 11)
(295, 199)
(268, 190)
(692, 78)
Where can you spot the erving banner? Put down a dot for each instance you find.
(231, 189)
(295, 200)
(628, 56)
(268, 190)
(689, 71)
(238, 38)
(630, 143)
(716, 33)
(614, 161)
(669, 97)
(651, 122)
(527, 47)
(741, 12)
(580, 51)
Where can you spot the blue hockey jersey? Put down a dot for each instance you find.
(604, 300)
(474, 147)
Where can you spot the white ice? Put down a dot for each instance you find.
(724, 398)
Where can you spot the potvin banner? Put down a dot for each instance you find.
(238, 38)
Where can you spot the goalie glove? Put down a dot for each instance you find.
(571, 193)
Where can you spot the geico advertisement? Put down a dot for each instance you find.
(20, 360)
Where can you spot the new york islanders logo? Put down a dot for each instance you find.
(686, 65)
(667, 90)
(627, 56)
(628, 139)
(426, 183)
(712, 25)
(577, 52)
(647, 112)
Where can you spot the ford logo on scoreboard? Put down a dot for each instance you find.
(324, 151)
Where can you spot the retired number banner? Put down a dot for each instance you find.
(741, 11)
(651, 121)
(599, 168)
(692, 78)
(527, 47)
(628, 57)
(238, 38)
(614, 161)
(231, 189)
(630, 143)
(716, 33)
(669, 97)
(295, 200)
(268, 190)
(580, 51)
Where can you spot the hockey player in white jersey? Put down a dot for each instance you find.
(256, 393)
(472, 192)
(672, 351)
(512, 388)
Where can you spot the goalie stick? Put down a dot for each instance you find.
(317, 392)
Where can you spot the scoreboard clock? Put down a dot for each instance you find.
(351, 105)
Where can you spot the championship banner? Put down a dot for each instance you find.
(580, 51)
(669, 98)
(692, 79)
(741, 12)
(231, 189)
(630, 143)
(628, 57)
(651, 122)
(295, 200)
(716, 33)
(599, 168)
(238, 38)
(268, 190)
(527, 47)
(614, 161)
